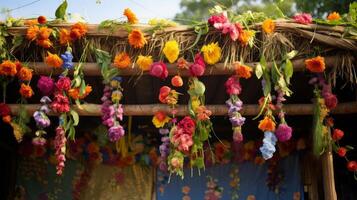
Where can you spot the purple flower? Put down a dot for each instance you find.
(41, 119)
(67, 60)
(237, 120)
(45, 85)
(283, 132)
(115, 133)
(164, 131)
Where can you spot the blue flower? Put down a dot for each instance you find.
(268, 147)
(67, 58)
(118, 78)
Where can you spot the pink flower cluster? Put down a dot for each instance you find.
(222, 23)
(331, 100)
(303, 18)
(159, 69)
(63, 84)
(198, 67)
(60, 148)
(45, 85)
(182, 136)
(60, 103)
(233, 86)
(112, 113)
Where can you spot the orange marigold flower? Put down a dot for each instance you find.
(74, 92)
(6, 119)
(243, 71)
(31, 22)
(245, 36)
(25, 74)
(203, 113)
(53, 60)
(136, 38)
(316, 65)
(44, 43)
(334, 16)
(26, 91)
(268, 26)
(32, 32)
(267, 124)
(64, 36)
(132, 19)
(18, 65)
(8, 68)
(44, 33)
(122, 60)
(78, 30)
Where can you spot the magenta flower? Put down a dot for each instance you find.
(45, 85)
(283, 132)
(303, 18)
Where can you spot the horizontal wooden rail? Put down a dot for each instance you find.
(217, 110)
(92, 69)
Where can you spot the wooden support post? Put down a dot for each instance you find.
(328, 175)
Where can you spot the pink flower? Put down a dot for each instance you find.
(45, 85)
(303, 18)
(188, 125)
(233, 86)
(60, 103)
(220, 18)
(283, 132)
(64, 83)
(185, 142)
(198, 67)
(159, 69)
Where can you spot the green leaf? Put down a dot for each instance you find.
(16, 41)
(349, 147)
(291, 54)
(61, 10)
(72, 133)
(263, 62)
(275, 74)
(288, 70)
(259, 71)
(75, 117)
(267, 87)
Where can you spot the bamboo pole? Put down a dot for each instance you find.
(92, 69)
(328, 175)
(217, 110)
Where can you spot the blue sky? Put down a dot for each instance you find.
(93, 12)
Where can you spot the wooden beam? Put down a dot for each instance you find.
(92, 69)
(217, 110)
(328, 175)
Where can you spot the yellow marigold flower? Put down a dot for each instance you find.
(211, 53)
(8, 68)
(268, 26)
(195, 103)
(144, 62)
(116, 96)
(136, 38)
(334, 16)
(246, 36)
(160, 119)
(53, 60)
(132, 19)
(122, 60)
(171, 50)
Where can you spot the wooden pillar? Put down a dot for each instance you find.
(328, 175)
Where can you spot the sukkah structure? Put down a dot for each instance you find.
(63, 55)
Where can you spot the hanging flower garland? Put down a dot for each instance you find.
(234, 104)
(324, 129)
(213, 191)
(112, 94)
(235, 182)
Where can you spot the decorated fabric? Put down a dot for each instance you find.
(252, 182)
(112, 183)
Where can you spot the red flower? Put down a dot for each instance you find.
(60, 103)
(341, 151)
(198, 67)
(188, 125)
(64, 83)
(337, 134)
(159, 69)
(42, 20)
(330, 101)
(164, 93)
(352, 166)
(4, 110)
(219, 18)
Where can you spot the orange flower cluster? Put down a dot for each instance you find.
(132, 19)
(245, 36)
(268, 26)
(316, 65)
(25, 74)
(77, 31)
(267, 124)
(74, 93)
(53, 60)
(136, 39)
(8, 68)
(41, 35)
(243, 71)
(122, 60)
(334, 16)
(26, 91)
